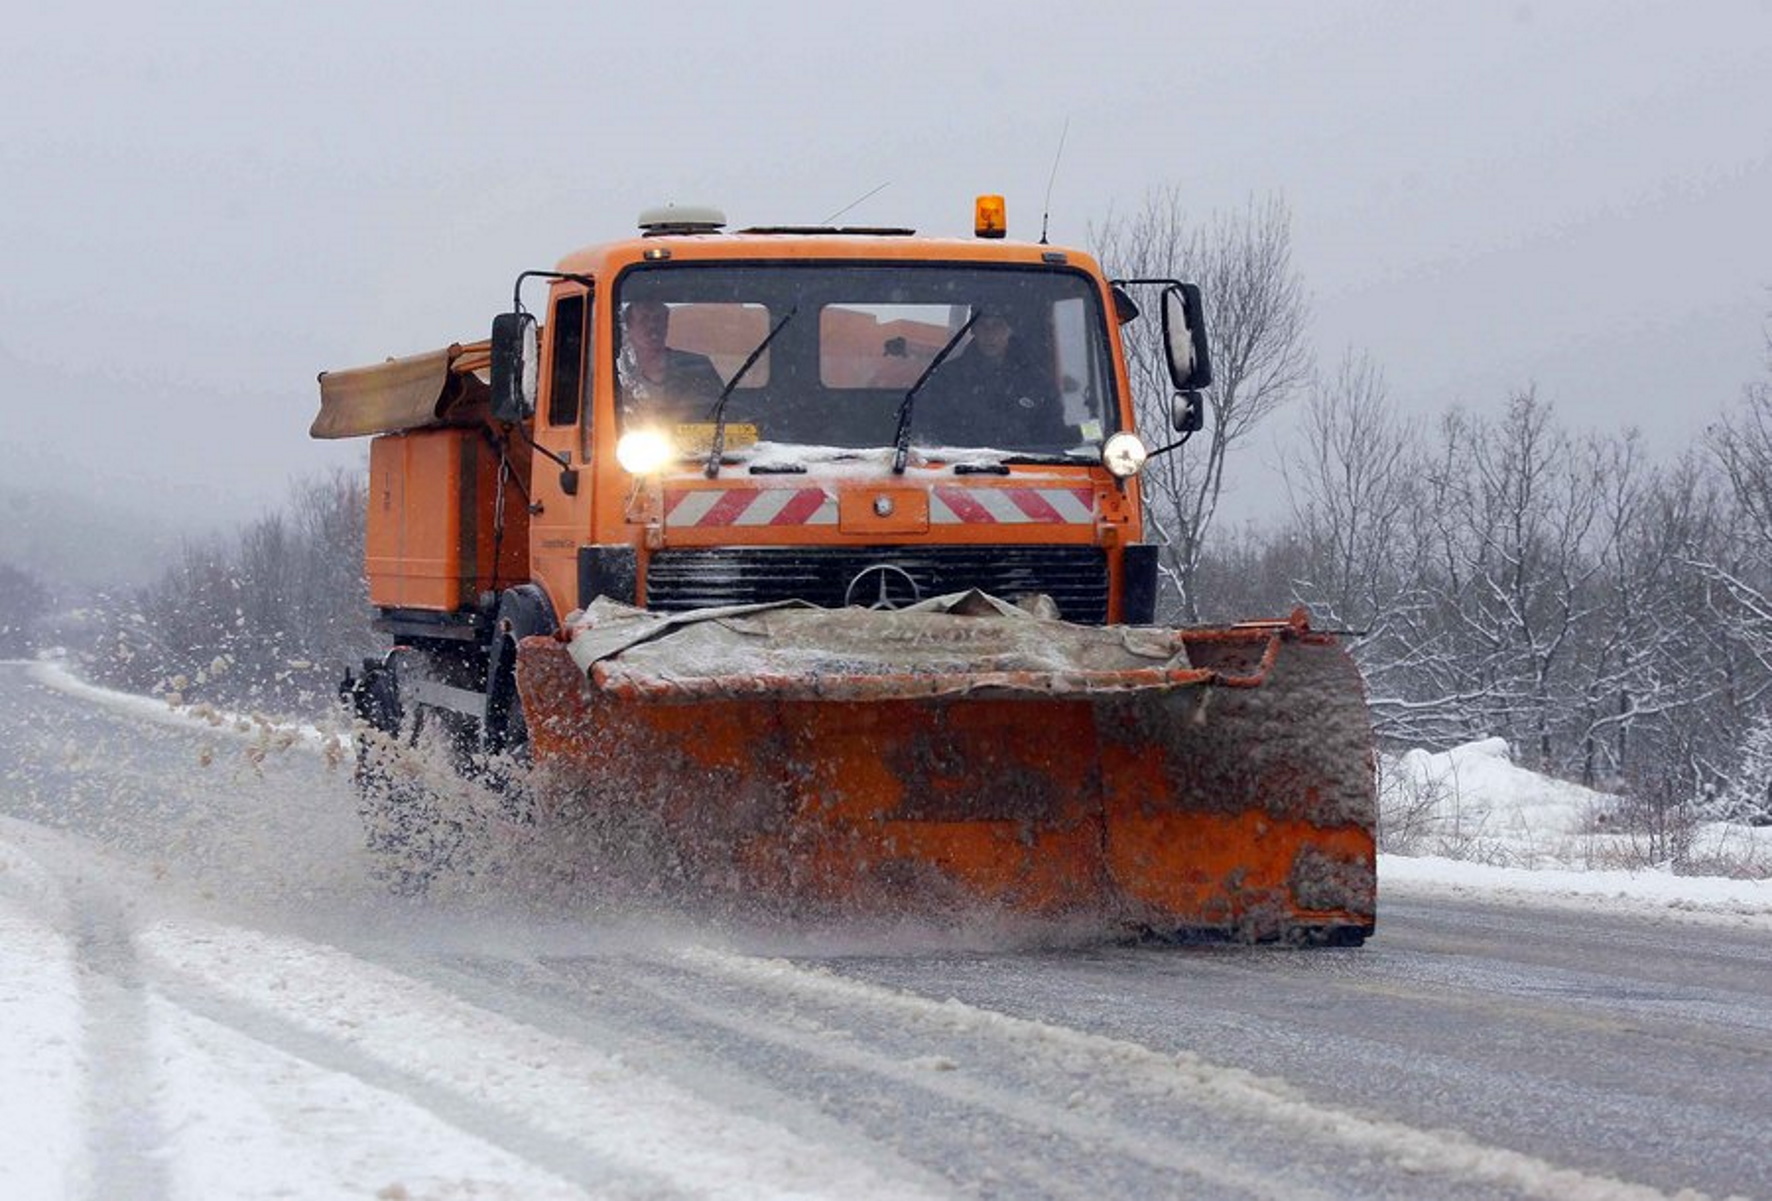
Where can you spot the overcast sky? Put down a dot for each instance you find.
(207, 204)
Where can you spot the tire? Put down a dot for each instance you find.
(504, 736)
(409, 840)
(408, 831)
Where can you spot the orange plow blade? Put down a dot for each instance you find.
(964, 755)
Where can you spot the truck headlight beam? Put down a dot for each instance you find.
(644, 451)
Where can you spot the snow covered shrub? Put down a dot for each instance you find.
(1657, 819)
(1746, 797)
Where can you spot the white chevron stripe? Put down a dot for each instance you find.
(693, 507)
(1070, 506)
(764, 506)
(761, 506)
(996, 502)
(1002, 509)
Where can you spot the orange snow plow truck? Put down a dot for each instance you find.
(823, 549)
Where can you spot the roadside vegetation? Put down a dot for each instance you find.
(265, 620)
(1499, 575)
(1609, 617)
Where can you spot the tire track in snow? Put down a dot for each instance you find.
(40, 1031)
(910, 1104)
(124, 1130)
(139, 1019)
(613, 1008)
(1029, 1110)
(578, 1111)
(1188, 1078)
(553, 1153)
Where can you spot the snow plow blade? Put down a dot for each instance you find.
(964, 755)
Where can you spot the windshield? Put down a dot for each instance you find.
(1026, 373)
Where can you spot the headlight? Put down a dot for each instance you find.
(1124, 455)
(643, 452)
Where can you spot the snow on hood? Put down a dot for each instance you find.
(871, 462)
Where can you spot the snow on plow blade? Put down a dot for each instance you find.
(964, 754)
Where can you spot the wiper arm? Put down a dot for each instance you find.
(901, 438)
(719, 411)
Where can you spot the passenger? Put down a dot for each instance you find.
(994, 394)
(658, 381)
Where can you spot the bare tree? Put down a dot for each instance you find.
(1742, 443)
(1448, 667)
(1736, 570)
(1354, 483)
(1474, 566)
(1745, 793)
(1256, 318)
(1643, 520)
(1357, 482)
(1742, 446)
(1540, 493)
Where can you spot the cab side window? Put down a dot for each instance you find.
(567, 384)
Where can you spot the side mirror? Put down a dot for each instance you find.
(515, 361)
(1184, 337)
(1187, 412)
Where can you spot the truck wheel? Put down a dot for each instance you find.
(407, 829)
(506, 731)
(505, 735)
(522, 612)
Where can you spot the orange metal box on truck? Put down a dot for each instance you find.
(826, 548)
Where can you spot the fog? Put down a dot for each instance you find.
(206, 204)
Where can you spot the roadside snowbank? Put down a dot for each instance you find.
(1648, 893)
(1473, 805)
(264, 733)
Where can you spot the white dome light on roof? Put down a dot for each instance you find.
(682, 219)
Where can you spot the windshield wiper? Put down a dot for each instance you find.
(719, 412)
(901, 438)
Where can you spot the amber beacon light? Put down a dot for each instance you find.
(989, 217)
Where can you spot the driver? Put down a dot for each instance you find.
(659, 381)
(995, 394)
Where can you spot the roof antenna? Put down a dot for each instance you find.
(1046, 215)
(855, 202)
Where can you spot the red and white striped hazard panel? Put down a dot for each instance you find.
(749, 506)
(948, 505)
(1011, 506)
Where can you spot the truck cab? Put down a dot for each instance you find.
(781, 413)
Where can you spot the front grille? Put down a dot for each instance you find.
(1073, 576)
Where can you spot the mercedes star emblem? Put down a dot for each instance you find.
(882, 586)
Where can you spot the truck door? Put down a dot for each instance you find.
(561, 483)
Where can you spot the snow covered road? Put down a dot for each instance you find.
(203, 995)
